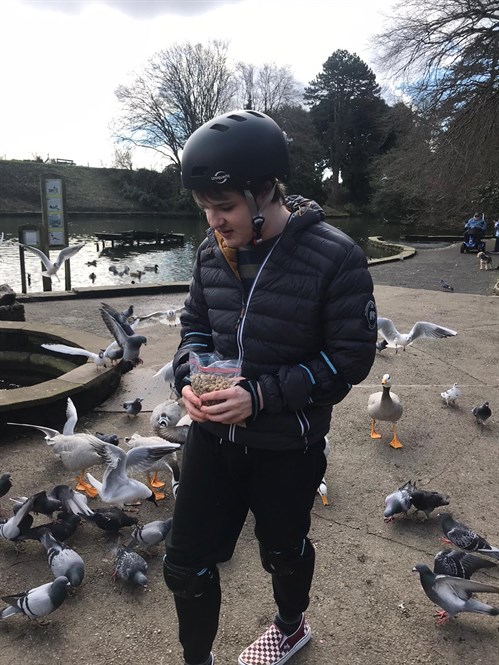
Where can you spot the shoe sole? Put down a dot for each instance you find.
(297, 647)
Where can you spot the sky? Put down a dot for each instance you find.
(62, 60)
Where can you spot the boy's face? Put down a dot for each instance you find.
(230, 216)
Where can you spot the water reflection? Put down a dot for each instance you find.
(91, 266)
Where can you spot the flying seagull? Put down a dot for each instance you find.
(420, 330)
(52, 268)
(98, 358)
(453, 594)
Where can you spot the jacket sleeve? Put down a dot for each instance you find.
(350, 332)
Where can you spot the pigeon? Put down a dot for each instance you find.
(62, 528)
(462, 536)
(459, 564)
(117, 487)
(420, 330)
(427, 500)
(130, 567)
(398, 501)
(41, 503)
(133, 407)
(123, 318)
(5, 483)
(130, 343)
(166, 414)
(450, 396)
(52, 268)
(445, 287)
(150, 534)
(481, 413)
(61, 498)
(98, 358)
(111, 518)
(63, 561)
(453, 594)
(37, 602)
(381, 345)
(11, 528)
(108, 438)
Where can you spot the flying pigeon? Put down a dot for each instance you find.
(123, 318)
(130, 567)
(133, 407)
(420, 330)
(150, 534)
(398, 501)
(52, 268)
(63, 561)
(98, 358)
(37, 602)
(481, 413)
(453, 594)
(450, 396)
(445, 287)
(130, 343)
(462, 536)
(459, 564)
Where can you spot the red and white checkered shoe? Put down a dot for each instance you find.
(274, 647)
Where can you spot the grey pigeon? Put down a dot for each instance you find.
(150, 534)
(41, 503)
(38, 602)
(133, 407)
(11, 528)
(453, 594)
(445, 287)
(130, 567)
(108, 438)
(398, 501)
(462, 536)
(5, 483)
(130, 343)
(120, 317)
(481, 413)
(60, 498)
(63, 561)
(459, 564)
(62, 528)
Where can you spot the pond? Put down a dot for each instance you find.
(90, 266)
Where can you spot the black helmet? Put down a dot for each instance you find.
(235, 149)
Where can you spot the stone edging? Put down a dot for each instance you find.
(403, 251)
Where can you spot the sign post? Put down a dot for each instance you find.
(54, 220)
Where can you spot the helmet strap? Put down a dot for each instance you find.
(257, 217)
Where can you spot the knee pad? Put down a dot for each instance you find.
(285, 562)
(189, 582)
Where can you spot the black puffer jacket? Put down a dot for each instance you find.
(306, 332)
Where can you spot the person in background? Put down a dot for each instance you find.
(290, 298)
(476, 225)
(496, 235)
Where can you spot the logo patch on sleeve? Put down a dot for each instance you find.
(371, 315)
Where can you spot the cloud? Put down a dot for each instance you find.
(139, 9)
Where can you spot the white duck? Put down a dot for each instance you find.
(385, 405)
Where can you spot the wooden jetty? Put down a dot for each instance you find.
(136, 237)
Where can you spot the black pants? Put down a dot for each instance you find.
(220, 482)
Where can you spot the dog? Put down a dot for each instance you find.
(495, 288)
(485, 261)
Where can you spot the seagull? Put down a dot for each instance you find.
(453, 594)
(420, 330)
(130, 343)
(166, 373)
(98, 358)
(130, 567)
(385, 405)
(445, 287)
(116, 486)
(111, 518)
(150, 534)
(71, 417)
(450, 396)
(168, 317)
(63, 561)
(133, 407)
(398, 501)
(158, 464)
(482, 413)
(461, 535)
(459, 564)
(166, 414)
(37, 602)
(52, 268)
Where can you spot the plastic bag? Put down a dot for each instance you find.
(209, 372)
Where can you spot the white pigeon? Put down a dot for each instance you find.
(116, 486)
(450, 396)
(52, 268)
(420, 330)
(38, 602)
(98, 358)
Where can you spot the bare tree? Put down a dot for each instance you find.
(267, 88)
(123, 158)
(180, 88)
